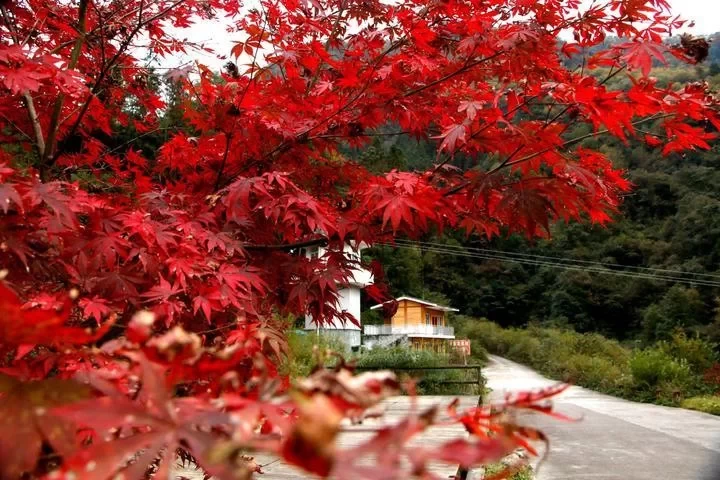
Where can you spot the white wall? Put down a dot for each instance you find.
(360, 276)
(349, 300)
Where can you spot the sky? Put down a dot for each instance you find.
(705, 14)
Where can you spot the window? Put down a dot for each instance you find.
(427, 318)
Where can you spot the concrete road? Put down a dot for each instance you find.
(395, 410)
(616, 439)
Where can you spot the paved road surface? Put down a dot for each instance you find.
(396, 408)
(616, 439)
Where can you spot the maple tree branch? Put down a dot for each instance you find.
(123, 47)
(565, 144)
(228, 139)
(457, 72)
(252, 68)
(549, 122)
(9, 24)
(331, 36)
(16, 127)
(27, 97)
(580, 138)
(479, 131)
(35, 121)
(57, 109)
(283, 146)
(363, 134)
(604, 131)
(287, 246)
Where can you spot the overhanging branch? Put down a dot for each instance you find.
(287, 246)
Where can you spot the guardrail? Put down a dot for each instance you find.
(423, 330)
(477, 380)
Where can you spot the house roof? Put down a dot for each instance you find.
(417, 300)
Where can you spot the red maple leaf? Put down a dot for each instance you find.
(19, 326)
(155, 426)
(25, 411)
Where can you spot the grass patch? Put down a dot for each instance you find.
(525, 473)
(705, 403)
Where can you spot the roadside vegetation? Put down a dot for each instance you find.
(303, 349)
(407, 364)
(495, 469)
(404, 361)
(680, 371)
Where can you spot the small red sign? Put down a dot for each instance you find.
(461, 345)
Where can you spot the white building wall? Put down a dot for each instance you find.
(348, 300)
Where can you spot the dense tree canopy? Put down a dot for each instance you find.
(198, 217)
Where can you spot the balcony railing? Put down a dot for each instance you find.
(410, 330)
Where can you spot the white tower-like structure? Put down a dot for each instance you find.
(348, 300)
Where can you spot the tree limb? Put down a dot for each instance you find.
(49, 151)
(29, 102)
(567, 143)
(35, 121)
(287, 246)
(228, 139)
(123, 47)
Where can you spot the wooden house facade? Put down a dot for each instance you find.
(424, 323)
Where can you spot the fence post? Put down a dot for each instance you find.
(463, 473)
(481, 385)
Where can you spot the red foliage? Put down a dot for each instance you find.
(712, 376)
(204, 237)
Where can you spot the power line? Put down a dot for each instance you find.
(564, 266)
(560, 259)
(597, 268)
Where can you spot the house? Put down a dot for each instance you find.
(422, 324)
(348, 300)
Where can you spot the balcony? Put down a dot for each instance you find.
(410, 330)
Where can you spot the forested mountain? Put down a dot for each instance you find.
(669, 222)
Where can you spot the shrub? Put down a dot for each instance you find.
(595, 372)
(524, 348)
(596, 345)
(479, 352)
(405, 360)
(301, 358)
(490, 335)
(705, 403)
(699, 354)
(525, 473)
(665, 374)
(652, 366)
(557, 348)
